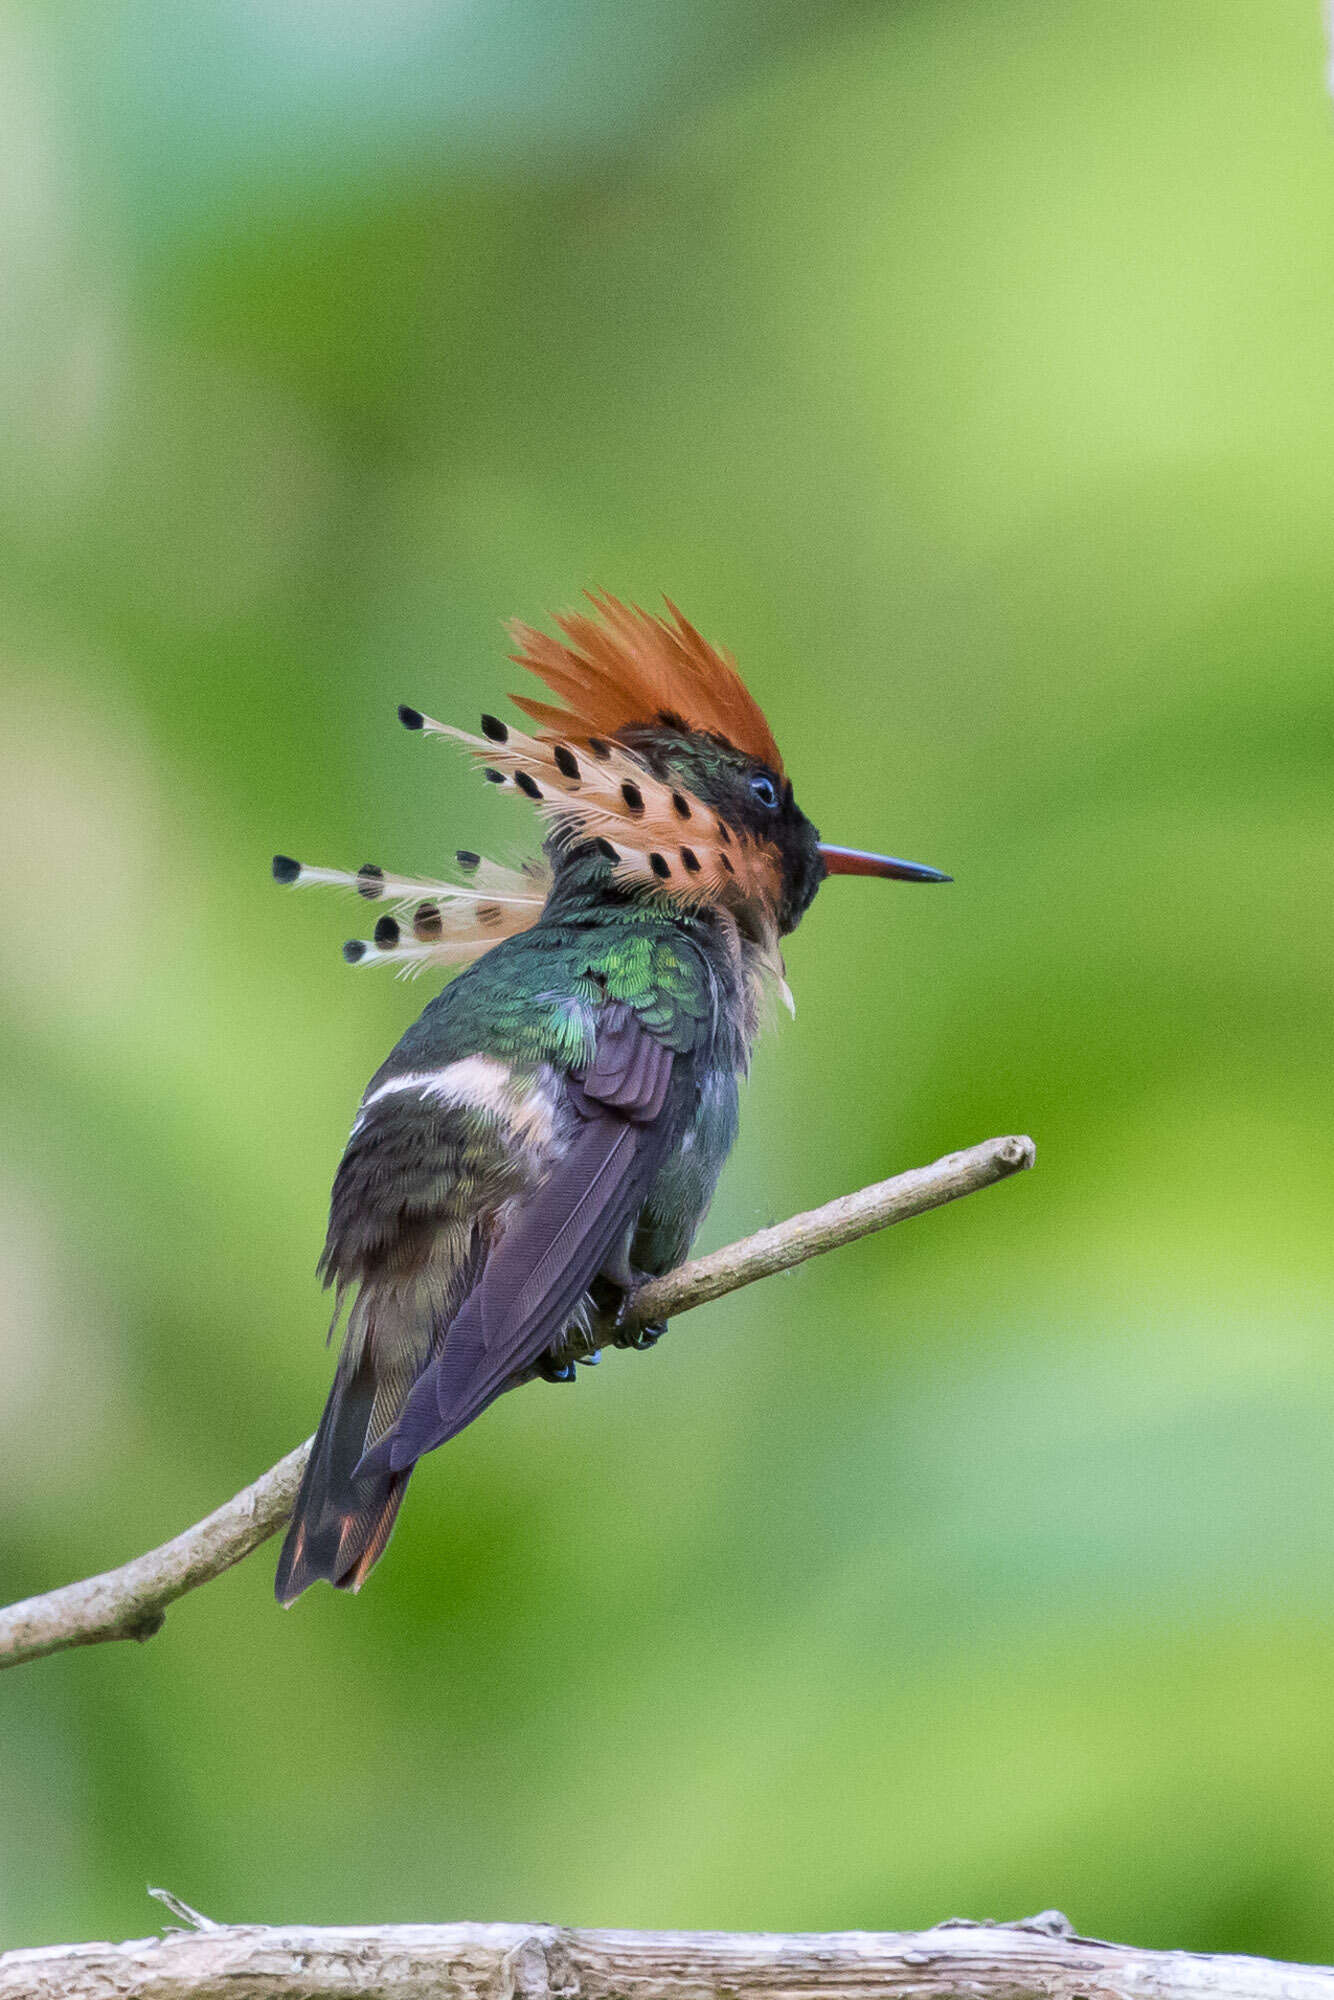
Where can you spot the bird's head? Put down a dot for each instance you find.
(654, 762)
(719, 821)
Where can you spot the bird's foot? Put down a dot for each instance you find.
(625, 1333)
(640, 1338)
(614, 1293)
(560, 1361)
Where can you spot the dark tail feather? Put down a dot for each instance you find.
(340, 1524)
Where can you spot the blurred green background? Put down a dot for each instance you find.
(966, 367)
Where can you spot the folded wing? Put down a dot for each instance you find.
(554, 1245)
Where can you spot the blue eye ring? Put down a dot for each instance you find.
(765, 790)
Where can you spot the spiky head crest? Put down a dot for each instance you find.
(625, 668)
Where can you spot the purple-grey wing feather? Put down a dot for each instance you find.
(536, 1274)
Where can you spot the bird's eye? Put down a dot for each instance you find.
(765, 791)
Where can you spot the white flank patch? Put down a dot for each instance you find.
(482, 1084)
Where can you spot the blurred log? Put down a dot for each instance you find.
(1040, 1959)
(130, 1602)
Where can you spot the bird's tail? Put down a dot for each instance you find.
(341, 1523)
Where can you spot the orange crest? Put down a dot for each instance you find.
(625, 667)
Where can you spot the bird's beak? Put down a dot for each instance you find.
(852, 861)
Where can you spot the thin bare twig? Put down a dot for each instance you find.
(130, 1602)
(1037, 1960)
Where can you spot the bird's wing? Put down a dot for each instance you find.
(556, 1243)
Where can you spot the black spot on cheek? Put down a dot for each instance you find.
(354, 951)
(605, 848)
(386, 934)
(411, 718)
(489, 914)
(493, 777)
(285, 869)
(427, 923)
(661, 866)
(599, 749)
(633, 797)
(724, 833)
(370, 881)
(566, 763)
(493, 727)
(680, 805)
(467, 860)
(726, 860)
(690, 861)
(527, 785)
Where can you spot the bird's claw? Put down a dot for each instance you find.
(638, 1338)
(614, 1293)
(641, 1338)
(551, 1369)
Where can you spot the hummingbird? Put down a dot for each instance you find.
(549, 1132)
